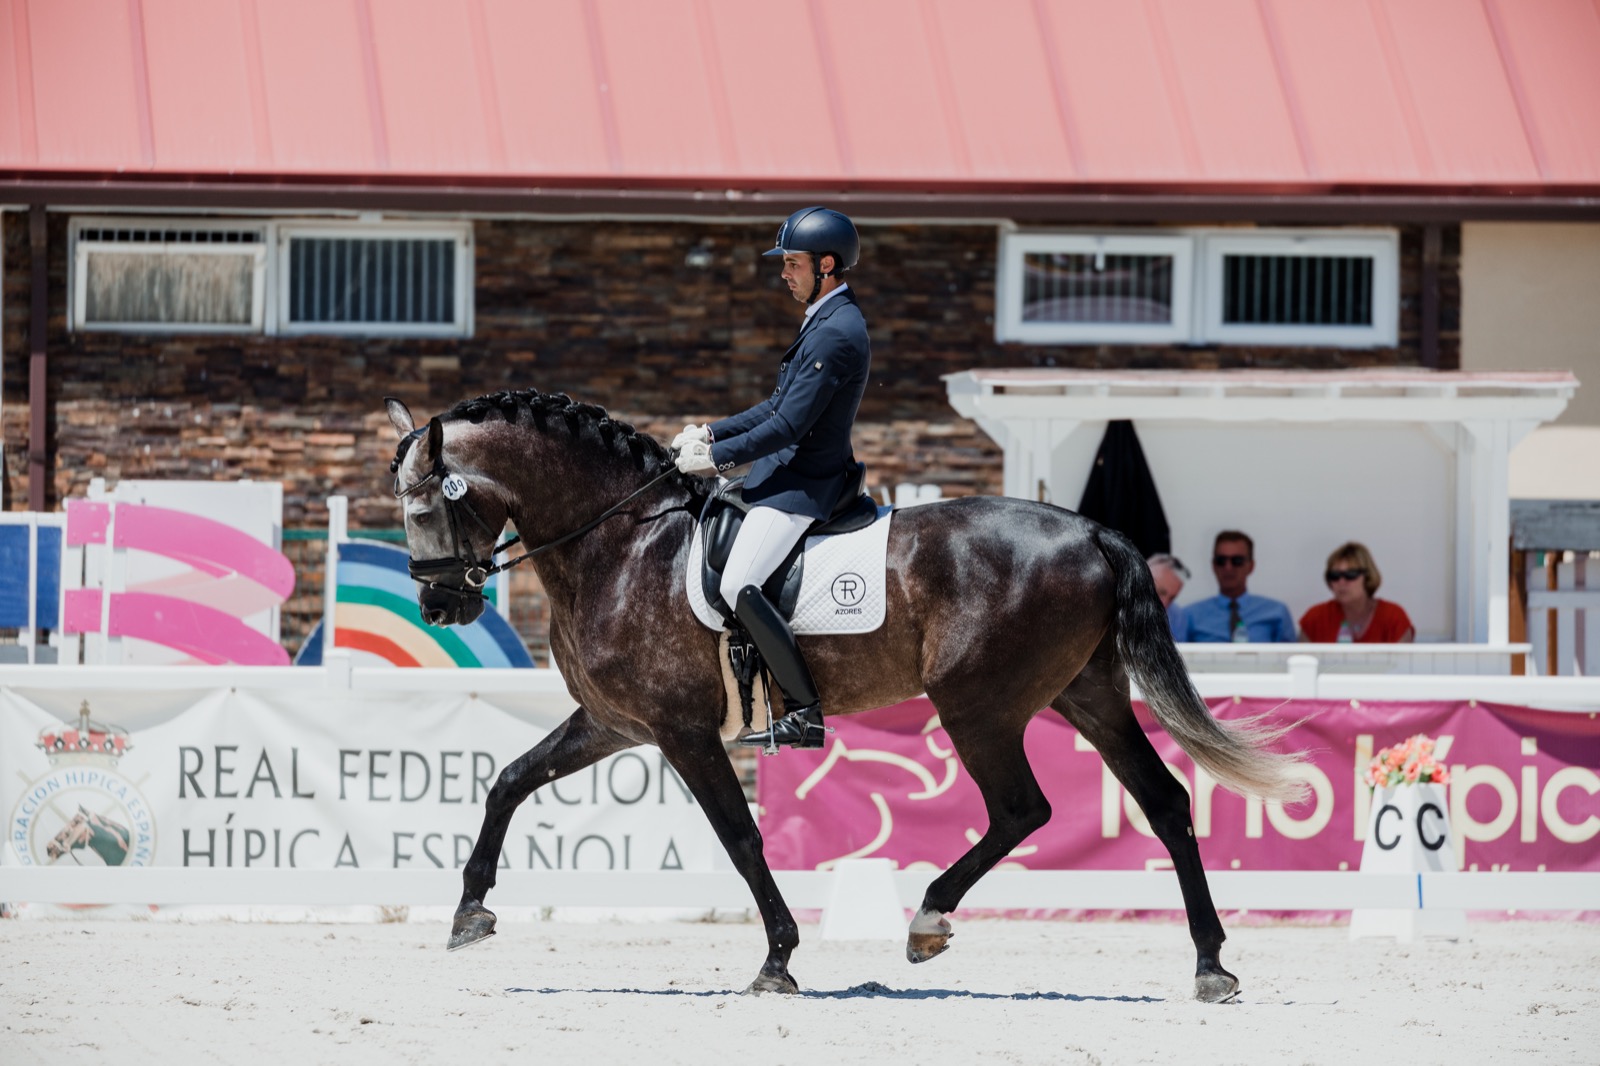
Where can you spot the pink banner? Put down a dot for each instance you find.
(1524, 793)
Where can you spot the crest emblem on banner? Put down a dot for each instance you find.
(83, 812)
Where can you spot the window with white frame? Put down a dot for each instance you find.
(414, 280)
(152, 274)
(155, 274)
(1089, 288)
(1334, 288)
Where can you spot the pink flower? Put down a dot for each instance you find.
(1412, 773)
(1441, 776)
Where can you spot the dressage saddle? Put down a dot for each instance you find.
(724, 513)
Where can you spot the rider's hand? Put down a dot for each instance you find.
(695, 458)
(691, 433)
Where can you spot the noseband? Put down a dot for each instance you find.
(463, 575)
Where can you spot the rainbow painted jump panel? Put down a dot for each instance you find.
(375, 612)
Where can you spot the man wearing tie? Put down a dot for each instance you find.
(1234, 615)
(798, 442)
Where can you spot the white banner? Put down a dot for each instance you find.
(240, 778)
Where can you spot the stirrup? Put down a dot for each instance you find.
(798, 729)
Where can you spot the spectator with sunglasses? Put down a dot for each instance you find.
(1355, 614)
(1235, 615)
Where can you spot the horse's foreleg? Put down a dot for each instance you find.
(1128, 754)
(1016, 807)
(703, 764)
(574, 744)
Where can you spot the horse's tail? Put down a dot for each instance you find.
(1236, 754)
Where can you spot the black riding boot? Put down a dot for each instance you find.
(775, 640)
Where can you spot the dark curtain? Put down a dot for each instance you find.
(1122, 495)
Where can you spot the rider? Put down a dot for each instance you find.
(799, 442)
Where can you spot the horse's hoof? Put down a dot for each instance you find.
(1216, 986)
(770, 982)
(930, 936)
(470, 927)
(920, 947)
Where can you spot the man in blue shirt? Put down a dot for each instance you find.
(1234, 615)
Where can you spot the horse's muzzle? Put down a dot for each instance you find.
(442, 605)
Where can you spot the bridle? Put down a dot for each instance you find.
(462, 574)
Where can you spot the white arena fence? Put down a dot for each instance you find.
(395, 703)
(725, 890)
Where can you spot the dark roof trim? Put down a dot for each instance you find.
(1026, 207)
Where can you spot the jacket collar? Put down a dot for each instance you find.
(829, 306)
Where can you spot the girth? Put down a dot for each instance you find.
(724, 513)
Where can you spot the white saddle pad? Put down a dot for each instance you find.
(843, 588)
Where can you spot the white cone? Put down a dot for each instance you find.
(863, 903)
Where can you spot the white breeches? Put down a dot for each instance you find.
(764, 539)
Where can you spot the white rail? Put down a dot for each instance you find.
(1304, 678)
(1002, 889)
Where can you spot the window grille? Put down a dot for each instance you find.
(1332, 288)
(376, 282)
(1097, 288)
(1298, 290)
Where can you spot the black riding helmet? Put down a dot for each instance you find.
(819, 231)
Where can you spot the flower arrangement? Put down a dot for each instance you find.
(1409, 763)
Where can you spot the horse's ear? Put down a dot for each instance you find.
(399, 416)
(435, 445)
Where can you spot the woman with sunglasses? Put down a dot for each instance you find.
(1355, 614)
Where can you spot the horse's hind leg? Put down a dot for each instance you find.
(1097, 704)
(571, 746)
(991, 750)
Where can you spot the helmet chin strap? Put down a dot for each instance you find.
(816, 278)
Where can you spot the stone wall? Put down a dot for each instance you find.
(605, 311)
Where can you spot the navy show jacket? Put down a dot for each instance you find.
(799, 438)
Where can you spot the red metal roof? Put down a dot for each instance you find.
(1289, 96)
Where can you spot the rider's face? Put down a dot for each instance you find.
(797, 273)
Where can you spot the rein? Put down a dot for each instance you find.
(475, 572)
(529, 553)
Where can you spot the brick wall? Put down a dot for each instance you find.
(607, 312)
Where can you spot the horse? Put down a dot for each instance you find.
(997, 608)
(106, 838)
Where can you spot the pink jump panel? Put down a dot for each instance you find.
(87, 522)
(207, 634)
(81, 613)
(209, 546)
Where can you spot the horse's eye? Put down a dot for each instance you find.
(422, 518)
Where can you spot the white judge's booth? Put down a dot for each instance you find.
(1411, 463)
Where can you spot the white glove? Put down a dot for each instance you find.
(695, 458)
(691, 433)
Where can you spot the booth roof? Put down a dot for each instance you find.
(1357, 380)
(1524, 397)
(915, 98)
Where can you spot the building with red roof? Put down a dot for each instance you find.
(231, 225)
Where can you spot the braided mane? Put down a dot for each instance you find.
(586, 423)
